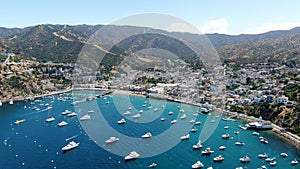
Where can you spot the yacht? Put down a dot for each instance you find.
(132, 155)
(194, 129)
(263, 140)
(66, 112)
(127, 113)
(198, 164)
(85, 117)
(270, 159)
(147, 135)
(50, 119)
(183, 116)
(152, 165)
(222, 148)
(283, 154)
(185, 137)
(70, 146)
(72, 114)
(219, 158)
(197, 122)
(245, 159)
(112, 140)
(239, 143)
(226, 136)
(122, 121)
(61, 124)
(198, 145)
(138, 115)
(264, 155)
(173, 121)
(91, 111)
(207, 151)
(294, 162)
(273, 163)
(19, 121)
(170, 113)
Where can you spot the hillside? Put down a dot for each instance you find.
(62, 43)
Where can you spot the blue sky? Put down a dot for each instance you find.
(209, 16)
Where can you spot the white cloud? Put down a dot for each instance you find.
(270, 27)
(215, 26)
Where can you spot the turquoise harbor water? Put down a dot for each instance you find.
(37, 144)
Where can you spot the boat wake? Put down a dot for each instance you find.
(67, 139)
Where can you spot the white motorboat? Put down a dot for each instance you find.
(283, 154)
(141, 111)
(197, 122)
(245, 159)
(129, 108)
(195, 115)
(170, 113)
(207, 151)
(236, 132)
(156, 109)
(198, 145)
(138, 115)
(192, 121)
(173, 121)
(11, 101)
(239, 143)
(226, 127)
(122, 121)
(263, 140)
(127, 113)
(222, 148)
(264, 155)
(66, 112)
(91, 111)
(255, 133)
(183, 116)
(185, 137)
(218, 158)
(152, 165)
(294, 162)
(72, 114)
(194, 129)
(198, 164)
(112, 140)
(0, 103)
(162, 119)
(181, 110)
(270, 159)
(61, 124)
(147, 135)
(226, 136)
(50, 119)
(70, 146)
(273, 163)
(132, 155)
(85, 117)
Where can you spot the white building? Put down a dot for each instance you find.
(282, 100)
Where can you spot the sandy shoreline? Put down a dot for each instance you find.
(279, 131)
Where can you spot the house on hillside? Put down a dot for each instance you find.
(282, 100)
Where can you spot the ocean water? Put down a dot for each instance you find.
(37, 144)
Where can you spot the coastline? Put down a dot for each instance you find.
(277, 130)
(280, 132)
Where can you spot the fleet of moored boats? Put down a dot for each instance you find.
(134, 155)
